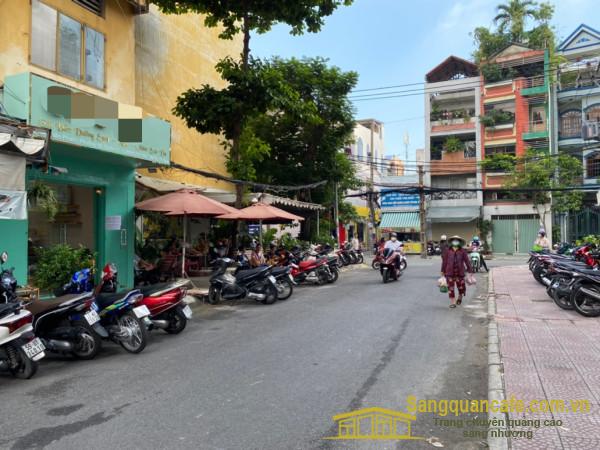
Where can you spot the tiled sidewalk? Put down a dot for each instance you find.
(547, 353)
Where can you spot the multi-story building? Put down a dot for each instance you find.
(514, 119)
(367, 152)
(577, 122)
(453, 148)
(103, 75)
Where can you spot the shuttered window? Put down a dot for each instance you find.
(96, 6)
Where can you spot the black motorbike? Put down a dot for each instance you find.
(257, 284)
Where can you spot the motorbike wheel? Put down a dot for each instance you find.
(177, 321)
(563, 302)
(214, 296)
(285, 289)
(580, 302)
(375, 264)
(386, 276)
(334, 276)
(89, 343)
(403, 265)
(271, 294)
(139, 333)
(26, 367)
(360, 258)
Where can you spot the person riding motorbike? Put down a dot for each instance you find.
(477, 246)
(395, 245)
(542, 241)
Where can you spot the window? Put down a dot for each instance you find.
(570, 124)
(592, 165)
(470, 149)
(503, 149)
(96, 6)
(592, 113)
(60, 43)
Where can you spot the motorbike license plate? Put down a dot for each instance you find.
(92, 317)
(272, 279)
(187, 312)
(141, 311)
(33, 348)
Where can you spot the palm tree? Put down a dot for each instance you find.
(513, 16)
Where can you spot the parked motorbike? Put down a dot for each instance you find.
(20, 350)
(122, 314)
(8, 282)
(391, 267)
(165, 303)
(433, 248)
(68, 324)
(284, 281)
(313, 270)
(257, 284)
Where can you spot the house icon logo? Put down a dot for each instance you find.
(374, 424)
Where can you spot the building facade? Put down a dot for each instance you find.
(577, 123)
(69, 66)
(453, 148)
(515, 109)
(368, 133)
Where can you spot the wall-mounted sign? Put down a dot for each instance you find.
(113, 222)
(399, 200)
(13, 205)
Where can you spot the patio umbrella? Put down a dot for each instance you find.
(262, 213)
(185, 202)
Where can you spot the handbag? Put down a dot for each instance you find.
(471, 279)
(443, 284)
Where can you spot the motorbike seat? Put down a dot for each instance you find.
(306, 264)
(278, 271)
(592, 272)
(106, 299)
(250, 273)
(161, 287)
(8, 308)
(38, 306)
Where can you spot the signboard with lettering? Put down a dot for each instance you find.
(399, 201)
(86, 120)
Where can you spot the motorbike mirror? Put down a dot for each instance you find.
(4, 257)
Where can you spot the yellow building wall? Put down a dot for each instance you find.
(117, 26)
(173, 54)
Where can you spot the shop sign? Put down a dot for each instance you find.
(13, 205)
(90, 121)
(399, 200)
(112, 223)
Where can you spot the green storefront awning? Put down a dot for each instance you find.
(452, 214)
(403, 221)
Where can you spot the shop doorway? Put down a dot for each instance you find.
(74, 224)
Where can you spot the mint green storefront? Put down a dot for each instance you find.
(90, 148)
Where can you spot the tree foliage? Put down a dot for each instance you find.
(511, 22)
(260, 15)
(548, 172)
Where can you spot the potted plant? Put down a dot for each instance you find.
(452, 144)
(43, 196)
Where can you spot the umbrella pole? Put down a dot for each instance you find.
(260, 234)
(183, 274)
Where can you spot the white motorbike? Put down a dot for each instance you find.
(19, 348)
(475, 260)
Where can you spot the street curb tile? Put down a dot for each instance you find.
(495, 369)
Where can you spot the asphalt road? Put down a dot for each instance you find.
(251, 376)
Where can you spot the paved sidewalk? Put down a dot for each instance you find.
(547, 353)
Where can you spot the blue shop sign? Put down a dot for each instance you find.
(399, 200)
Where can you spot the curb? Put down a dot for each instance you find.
(496, 390)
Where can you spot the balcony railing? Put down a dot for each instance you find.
(570, 127)
(532, 82)
(451, 115)
(535, 126)
(496, 117)
(453, 195)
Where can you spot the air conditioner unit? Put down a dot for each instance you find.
(590, 130)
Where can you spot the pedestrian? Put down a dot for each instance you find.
(443, 244)
(257, 258)
(542, 241)
(454, 262)
(355, 244)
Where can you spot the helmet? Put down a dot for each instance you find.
(542, 231)
(476, 238)
(393, 235)
(443, 237)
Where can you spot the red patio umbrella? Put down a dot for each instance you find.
(262, 213)
(185, 202)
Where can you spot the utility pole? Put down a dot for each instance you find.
(335, 215)
(371, 188)
(422, 212)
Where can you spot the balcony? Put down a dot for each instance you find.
(569, 126)
(498, 119)
(580, 75)
(444, 162)
(452, 120)
(534, 85)
(535, 129)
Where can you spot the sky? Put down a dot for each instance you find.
(396, 42)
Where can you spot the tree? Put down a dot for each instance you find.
(512, 17)
(245, 16)
(547, 172)
(312, 121)
(511, 21)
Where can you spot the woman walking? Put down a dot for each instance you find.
(454, 262)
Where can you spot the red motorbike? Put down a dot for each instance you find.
(378, 258)
(311, 270)
(391, 266)
(167, 308)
